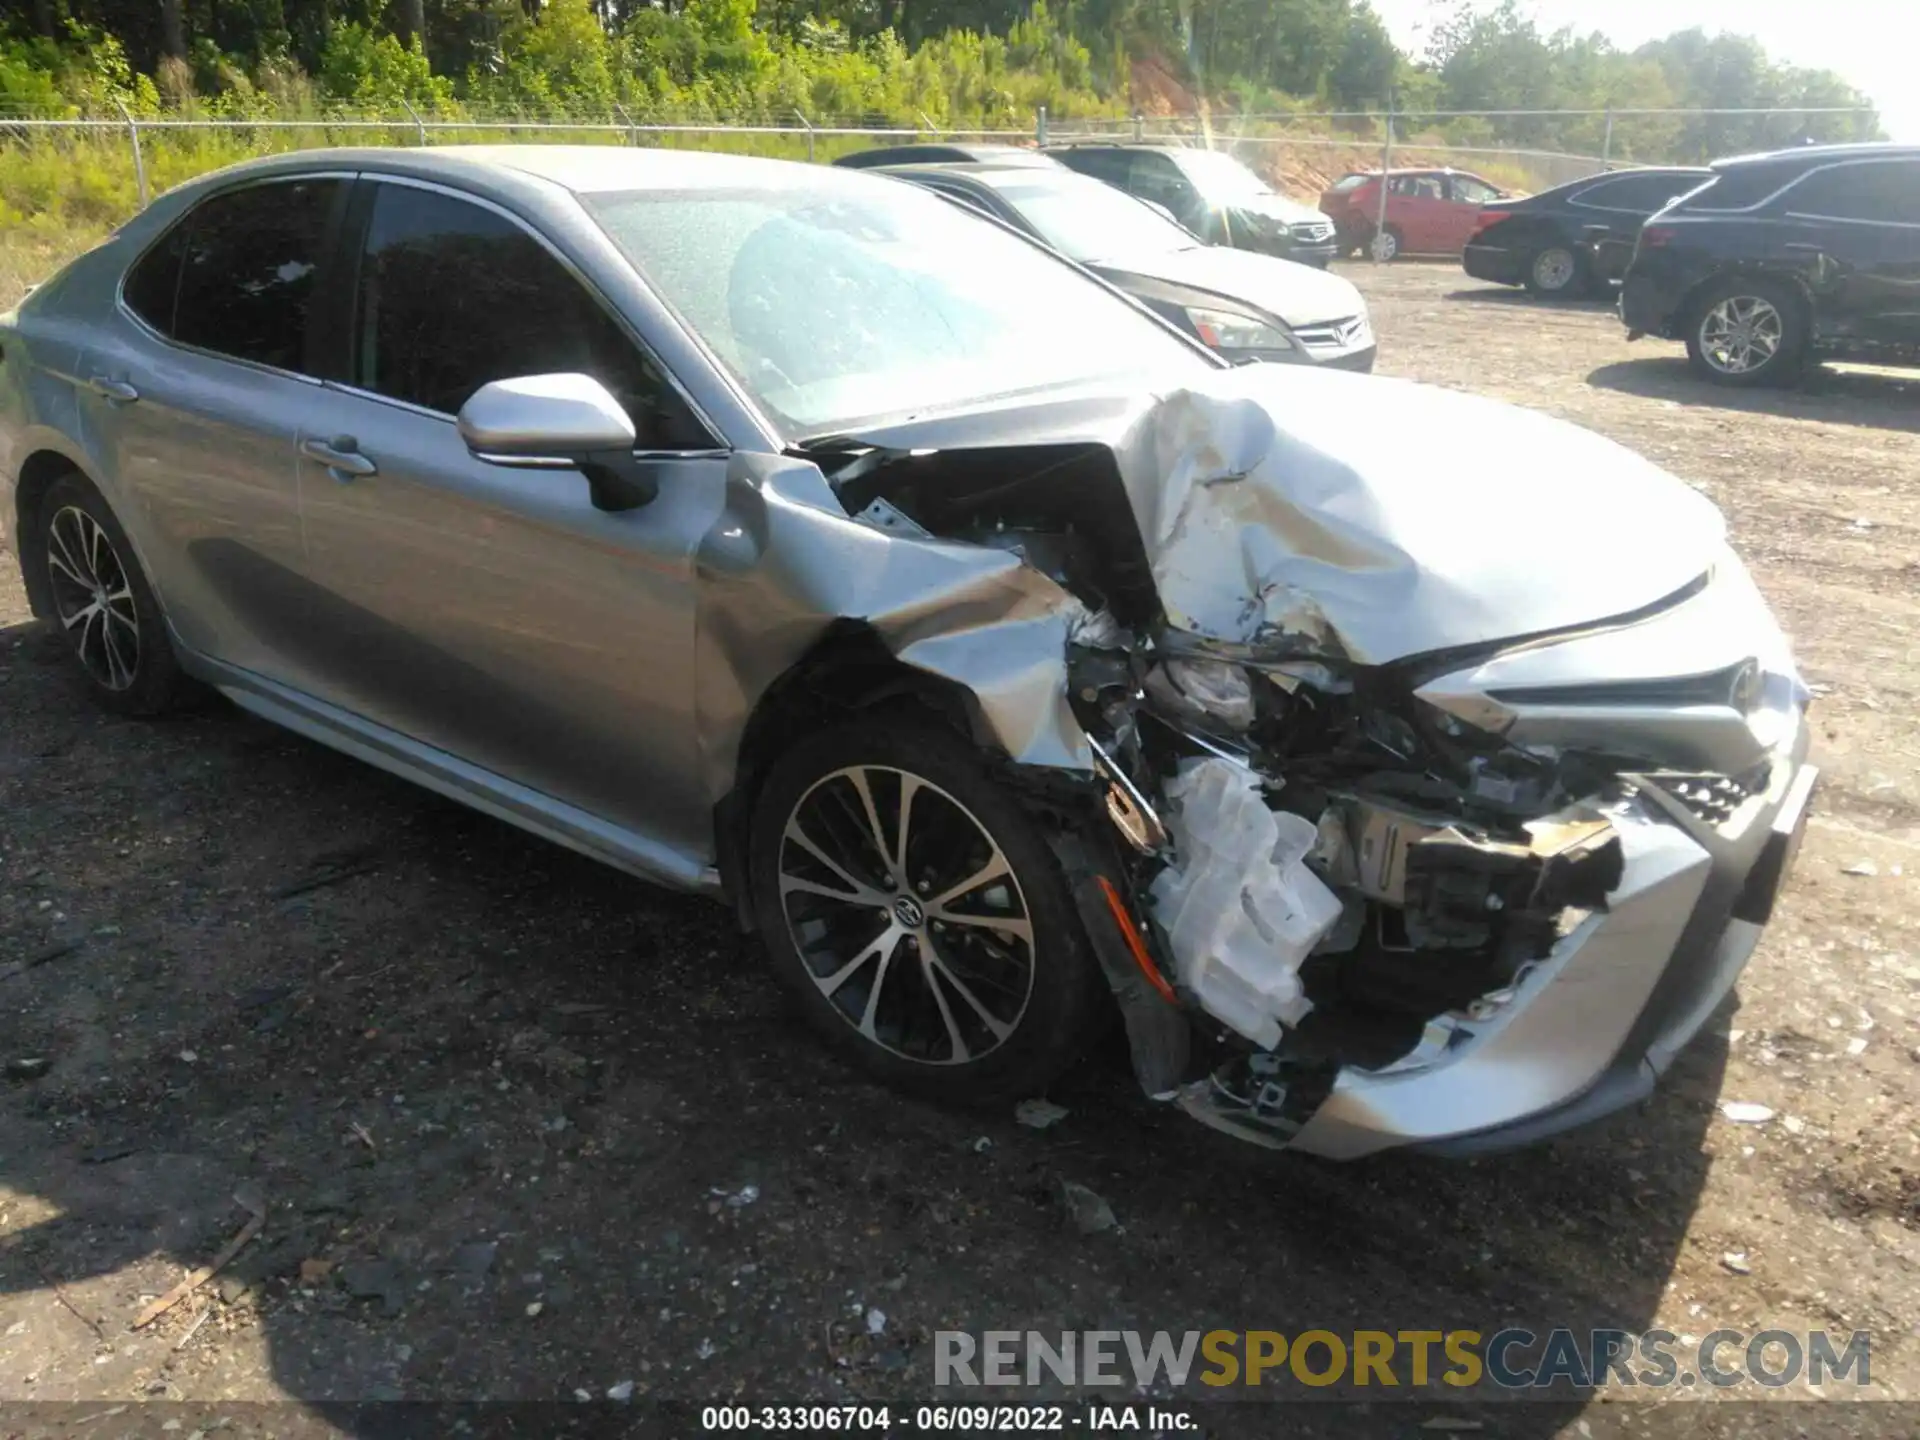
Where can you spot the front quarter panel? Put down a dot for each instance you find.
(784, 563)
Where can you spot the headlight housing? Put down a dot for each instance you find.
(1232, 332)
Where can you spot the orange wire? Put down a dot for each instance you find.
(1134, 943)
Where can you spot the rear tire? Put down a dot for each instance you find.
(102, 603)
(977, 995)
(1748, 332)
(1558, 272)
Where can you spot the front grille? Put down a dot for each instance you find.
(1712, 799)
(1332, 334)
(1312, 232)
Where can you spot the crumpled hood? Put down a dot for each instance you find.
(1298, 294)
(1288, 509)
(1387, 519)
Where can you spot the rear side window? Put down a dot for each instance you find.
(1108, 165)
(237, 276)
(1886, 190)
(454, 296)
(1741, 187)
(1639, 194)
(153, 284)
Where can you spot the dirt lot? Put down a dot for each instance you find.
(526, 1128)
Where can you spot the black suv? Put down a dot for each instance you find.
(1778, 259)
(1575, 238)
(1212, 194)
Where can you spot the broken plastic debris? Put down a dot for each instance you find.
(706, 1349)
(1090, 1213)
(737, 1199)
(622, 1392)
(1240, 910)
(1039, 1114)
(876, 1322)
(1736, 1261)
(1857, 1045)
(1746, 1112)
(1861, 867)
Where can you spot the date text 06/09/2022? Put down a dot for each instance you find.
(965, 1419)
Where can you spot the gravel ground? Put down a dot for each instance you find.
(523, 1127)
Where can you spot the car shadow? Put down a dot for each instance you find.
(1522, 298)
(1849, 396)
(526, 1129)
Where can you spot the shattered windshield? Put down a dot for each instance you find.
(842, 303)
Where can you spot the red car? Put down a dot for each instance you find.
(1429, 212)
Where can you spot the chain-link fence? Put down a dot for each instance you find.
(65, 181)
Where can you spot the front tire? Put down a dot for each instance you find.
(1748, 332)
(1386, 246)
(102, 602)
(916, 914)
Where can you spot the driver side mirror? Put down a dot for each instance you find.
(552, 422)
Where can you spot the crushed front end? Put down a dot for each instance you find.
(1417, 832)
(1396, 929)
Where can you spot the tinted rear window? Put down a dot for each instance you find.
(1743, 186)
(1642, 194)
(1349, 182)
(237, 275)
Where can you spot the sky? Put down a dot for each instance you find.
(1872, 43)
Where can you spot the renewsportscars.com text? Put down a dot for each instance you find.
(1508, 1359)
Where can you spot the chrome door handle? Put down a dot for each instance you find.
(341, 456)
(112, 389)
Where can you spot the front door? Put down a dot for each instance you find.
(495, 613)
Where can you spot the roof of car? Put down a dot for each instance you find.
(1418, 170)
(934, 152)
(1858, 150)
(581, 168)
(987, 171)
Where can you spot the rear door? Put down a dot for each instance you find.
(1607, 215)
(489, 612)
(194, 400)
(1852, 233)
(1417, 208)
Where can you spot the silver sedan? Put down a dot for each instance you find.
(1404, 769)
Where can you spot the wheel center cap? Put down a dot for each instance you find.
(909, 913)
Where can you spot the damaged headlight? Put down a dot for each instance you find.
(1206, 692)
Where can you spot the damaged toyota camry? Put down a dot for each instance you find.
(999, 655)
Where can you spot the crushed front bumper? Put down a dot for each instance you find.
(1592, 1026)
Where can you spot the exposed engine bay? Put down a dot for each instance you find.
(1316, 858)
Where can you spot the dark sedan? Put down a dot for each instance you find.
(1574, 240)
(1244, 305)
